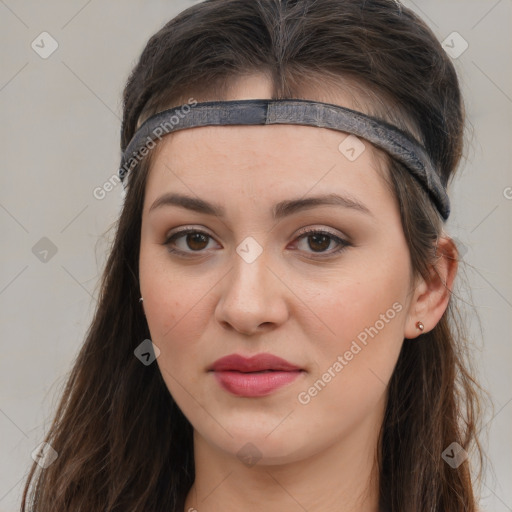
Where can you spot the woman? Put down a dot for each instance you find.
(276, 328)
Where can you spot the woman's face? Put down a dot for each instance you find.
(324, 285)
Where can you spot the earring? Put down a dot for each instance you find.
(141, 299)
(420, 326)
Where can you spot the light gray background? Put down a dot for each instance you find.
(60, 137)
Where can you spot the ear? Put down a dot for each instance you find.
(431, 297)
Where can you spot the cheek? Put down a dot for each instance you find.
(350, 300)
(363, 316)
(174, 313)
(175, 321)
(346, 389)
(175, 305)
(170, 295)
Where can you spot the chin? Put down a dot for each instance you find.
(256, 443)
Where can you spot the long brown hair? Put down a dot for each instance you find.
(122, 442)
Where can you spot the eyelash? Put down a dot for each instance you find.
(302, 234)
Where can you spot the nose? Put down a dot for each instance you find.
(253, 298)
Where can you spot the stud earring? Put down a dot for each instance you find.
(141, 299)
(420, 326)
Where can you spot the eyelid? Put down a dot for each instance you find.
(190, 227)
(321, 229)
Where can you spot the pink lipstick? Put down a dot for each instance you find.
(256, 376)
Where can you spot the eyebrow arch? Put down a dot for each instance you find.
(279, 211)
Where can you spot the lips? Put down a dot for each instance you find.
(257, 363)
(256, 376)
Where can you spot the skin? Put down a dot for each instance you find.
(290, 301)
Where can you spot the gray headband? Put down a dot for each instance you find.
(381, 134)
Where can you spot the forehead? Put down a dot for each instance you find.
(259, 156)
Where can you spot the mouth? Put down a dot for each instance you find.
(257, 376)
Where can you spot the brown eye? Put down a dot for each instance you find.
(319, 242)
(196, 241)
(188, 241)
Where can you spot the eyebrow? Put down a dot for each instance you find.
(279, 211)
